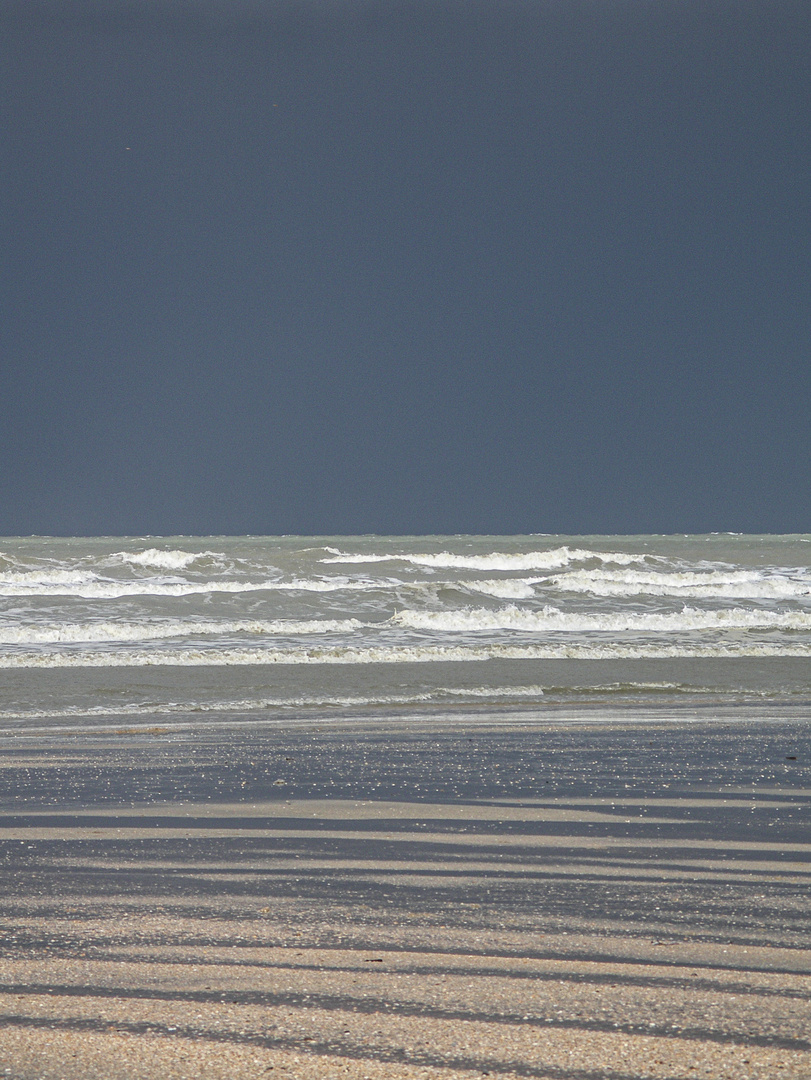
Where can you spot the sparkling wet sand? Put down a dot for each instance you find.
(506, 896)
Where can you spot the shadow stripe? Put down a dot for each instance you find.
(321, 1049)
(29, 941)
(577, 978)
(370, 1006)
(777, 875)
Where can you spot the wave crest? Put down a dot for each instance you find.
(404, 654)
(162, 559)
(711, 583)
(553, 619)
(122, 632)
(530, 560)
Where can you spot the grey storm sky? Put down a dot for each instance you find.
(405, 267)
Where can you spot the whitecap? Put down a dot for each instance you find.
(752, 584)
(164, 559)
(44, 579)
(553, 619)
(531, 560)
(91, 587)
(502, 588)
(119, 631)
(405, 654)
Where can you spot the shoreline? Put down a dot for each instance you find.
(446, 716)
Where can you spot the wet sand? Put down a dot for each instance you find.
(498, 896)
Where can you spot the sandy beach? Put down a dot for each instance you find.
(397, 898)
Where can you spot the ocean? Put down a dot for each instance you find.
(190, 630)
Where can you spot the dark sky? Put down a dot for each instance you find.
(405, 267)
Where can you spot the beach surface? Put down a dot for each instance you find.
(500, 894)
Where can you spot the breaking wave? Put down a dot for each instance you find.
(551, 619)
(502, 588)
(121, 632)
(90, 587)
(697, 585)
(397, 654)
(531, 560)
(173, 604)
(162, 559)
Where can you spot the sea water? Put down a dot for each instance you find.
(274, 627)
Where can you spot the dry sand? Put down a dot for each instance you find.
(520, 899)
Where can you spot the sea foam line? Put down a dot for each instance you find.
(119, 632)
(553, 619)
(467, 620)
(404, 654)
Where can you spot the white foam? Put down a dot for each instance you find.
(553, 619)
(531, 560)
(90, 587)
(333, 584)
(341, 557)
(492, 691)
(163, 559)
(416, 654)
(261, 704)
(502, 588)
(752, 584)
(46, 579)
(113, 632)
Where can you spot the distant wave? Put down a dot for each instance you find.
(532, 560)
(90, 587)
(786, 584)
(162, 559)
